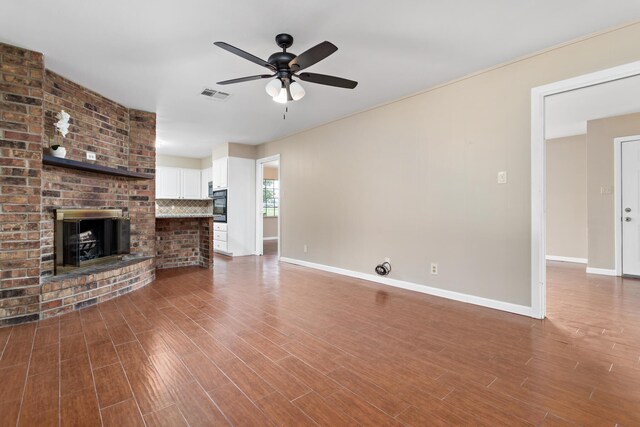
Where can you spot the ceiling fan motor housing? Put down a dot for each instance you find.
(281, 60)
(284, 40)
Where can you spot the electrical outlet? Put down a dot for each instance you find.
(304, 248)
(387, 260)
(434, 268)
(91, 155)
(502, 177)
(605, 189)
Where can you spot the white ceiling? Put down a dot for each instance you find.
(567, 113)
(158, 55)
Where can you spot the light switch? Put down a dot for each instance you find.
(606, 189)
(502, 177)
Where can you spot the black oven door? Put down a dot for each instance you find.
(220, 206)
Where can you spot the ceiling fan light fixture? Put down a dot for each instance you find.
(274, 87)
(281, 98)
(297, 91)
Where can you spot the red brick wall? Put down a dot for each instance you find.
(62, 296)
(206, 242)
(97, 124)
(21, 127)
(182, 242)
(30, 97)
(121, 138)
(142, 193)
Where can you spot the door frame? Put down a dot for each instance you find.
(617, 190)
(538, 177)
(259, 218)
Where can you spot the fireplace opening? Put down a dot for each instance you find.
(85, 237)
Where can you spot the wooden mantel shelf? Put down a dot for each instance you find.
(90, 167)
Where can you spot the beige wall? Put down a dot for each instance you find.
(220, 151)
(270, 172)
(415, 180)
(269, 227)
(600, 176)
(178, 162)
(243, 151)
(566, 192)
(206, 162)
(234, 149)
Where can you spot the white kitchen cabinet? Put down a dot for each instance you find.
(178, 183)
(237, 237)
(190, 184)
(220, 169)
(206, 175)
(167, 183)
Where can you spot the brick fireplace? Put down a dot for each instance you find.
(31, 192)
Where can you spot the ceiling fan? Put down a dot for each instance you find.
(286, 65)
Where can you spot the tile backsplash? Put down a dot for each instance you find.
(183, 207)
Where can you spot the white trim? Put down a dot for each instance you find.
(538, 208)
(259, 216)
(443, 293)
(566, 259)
(270, 238)
(617, 201)
(601, 271)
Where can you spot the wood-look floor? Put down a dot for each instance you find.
(254, 342)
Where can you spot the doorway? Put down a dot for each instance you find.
(540, 98)
(268, 199)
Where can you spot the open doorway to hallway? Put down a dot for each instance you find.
(592, 188)
(268, 202)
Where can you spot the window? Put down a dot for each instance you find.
(270, 197)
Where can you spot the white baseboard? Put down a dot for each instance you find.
(452, 295)
(601, 271)
(270, 238)
(566, 259)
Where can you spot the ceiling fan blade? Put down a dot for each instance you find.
(324, 79)
(241, 53)
(246, 79)
(312, 56)
(287, 85)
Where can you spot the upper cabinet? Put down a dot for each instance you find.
(167, 183)
(190, 184)
(220, 170)
(178, 183)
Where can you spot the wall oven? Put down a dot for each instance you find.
(219, 205)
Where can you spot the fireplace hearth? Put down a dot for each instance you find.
(86, 237)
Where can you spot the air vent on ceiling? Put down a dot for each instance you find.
(214, 94)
